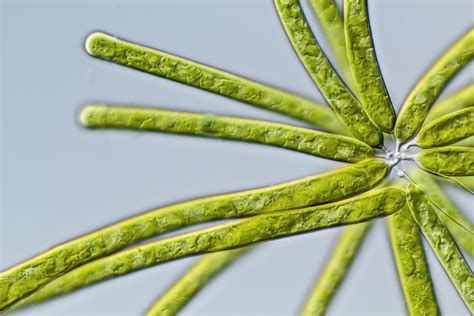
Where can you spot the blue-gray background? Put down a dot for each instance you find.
(59, 180)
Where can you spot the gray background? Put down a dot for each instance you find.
(60, 180)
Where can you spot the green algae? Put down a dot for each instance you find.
(232, 235)
(174, 299)
(332, 23)
(458, 225)
(308, 141)
(200, 76)
(417, 287)
(442, 243)
(459, 100)
(335, 269)
(425, 92)
(448, 161)
(23, 279)
(344, 104)
(368, 79)
(448, 129)
(411, 263)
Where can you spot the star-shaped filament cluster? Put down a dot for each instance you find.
(428, 140)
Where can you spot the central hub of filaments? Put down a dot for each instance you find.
(395, 157)
(397, 154)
